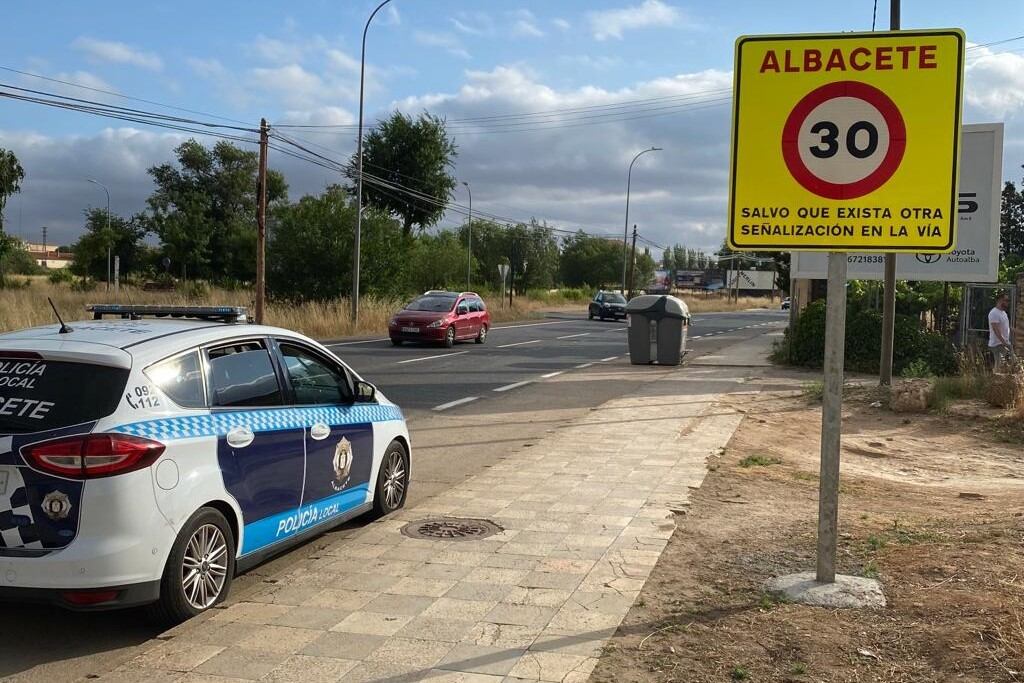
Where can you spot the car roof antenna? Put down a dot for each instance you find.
(64, 329)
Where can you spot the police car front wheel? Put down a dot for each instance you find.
(392, 480)
(199, 570)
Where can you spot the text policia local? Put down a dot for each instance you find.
(839, 59)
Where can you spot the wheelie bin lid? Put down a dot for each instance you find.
(658, 306)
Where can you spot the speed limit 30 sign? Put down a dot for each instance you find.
(846, 142)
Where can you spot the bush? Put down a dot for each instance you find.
(805, 343)
(83, 284)
(60, 276)
(193, 289)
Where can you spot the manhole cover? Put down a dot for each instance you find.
(451, 529)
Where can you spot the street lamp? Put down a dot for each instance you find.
(96, 182)
(625, 231)
(359, 171)
(469, 237)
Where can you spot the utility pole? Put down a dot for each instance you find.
(889, 294)
(261, 225)
(44, 247)
(512, 272)
(632, 266)
(469, 239)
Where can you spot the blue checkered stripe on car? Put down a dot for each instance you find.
(265, 420)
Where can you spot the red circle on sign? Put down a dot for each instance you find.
(869, 183)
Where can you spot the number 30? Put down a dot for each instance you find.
(828, 146)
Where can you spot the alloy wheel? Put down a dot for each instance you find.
(204, 567)
(394, 479)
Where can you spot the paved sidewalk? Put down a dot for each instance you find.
(586, 514)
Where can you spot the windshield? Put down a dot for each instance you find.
(614, 299)
(37, 395)
(435, 303)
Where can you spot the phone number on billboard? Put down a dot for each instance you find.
(865, 259)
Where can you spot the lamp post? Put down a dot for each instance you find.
(96, 182)
(359, 171)
(625, 230)
(469, 238)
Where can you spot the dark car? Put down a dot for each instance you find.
(441, 317)
(786, 304)
(607, 305)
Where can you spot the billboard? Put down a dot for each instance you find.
(662, 281)
(975, 258)
(751, 279)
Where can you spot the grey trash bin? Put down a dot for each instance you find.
(657, 329)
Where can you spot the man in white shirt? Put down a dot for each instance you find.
(999, 333)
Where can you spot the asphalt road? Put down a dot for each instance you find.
(467, 407)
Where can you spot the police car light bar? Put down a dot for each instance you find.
(225, 314)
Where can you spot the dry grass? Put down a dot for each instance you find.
(714, 304)
(27, 307)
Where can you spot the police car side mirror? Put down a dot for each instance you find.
(365, 392)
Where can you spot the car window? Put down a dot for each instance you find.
(38, 394)
(615, 299)
(478, 305)
(463, 306)
(243, 375)
(314, 380)
(435, 303)
(599, 298)
(181, 379)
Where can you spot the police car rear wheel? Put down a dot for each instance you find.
(392, 480)
(199, 570)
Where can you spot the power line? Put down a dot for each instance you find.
(117, 94)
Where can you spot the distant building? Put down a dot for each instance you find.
(49, 257)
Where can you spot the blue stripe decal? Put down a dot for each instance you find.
(275, 528)
(263, 420)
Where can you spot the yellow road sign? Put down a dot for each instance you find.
(846, 142)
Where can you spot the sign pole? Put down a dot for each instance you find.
(889, 292)
(831, 417)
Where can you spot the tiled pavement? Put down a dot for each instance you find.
(586, 513)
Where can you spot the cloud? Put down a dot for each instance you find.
(117, 53)
(277, 51)
(473, 23)
(551, 167)
(561, 24)
(994, 83)
(613, 23)
(446, 41)
(207, 68)
(525, 25)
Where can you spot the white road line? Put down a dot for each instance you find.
(573, 336)
(696, 337)
(443, 355)
(512, 327)
(605, 360)
(452, 404)
(533, 341)
(552, 374)
(509, 387)
(584, 365)
(364, 341)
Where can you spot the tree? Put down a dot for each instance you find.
(123, 238)
(590, 261)
(11, 175)
(643, 271)
(16, 259)
(416, 154)
(204, 209)
(1011, 223)
(324, 225)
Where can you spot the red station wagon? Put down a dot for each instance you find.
(441, 317)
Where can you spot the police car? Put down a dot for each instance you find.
(150, 459)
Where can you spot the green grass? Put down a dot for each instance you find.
(870, 570)
(805, 476)
(759, 461)
(876, 542)
(739, 673)
(798, 668)
(813, 391)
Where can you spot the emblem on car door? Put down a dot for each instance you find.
(342, 464)
(56, 505)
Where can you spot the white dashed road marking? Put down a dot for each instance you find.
(509, 387)
(605, 360)
(552, 374)
(443, 355)
(573, 336)
(533, 341)
(452, 404)
(584, 365)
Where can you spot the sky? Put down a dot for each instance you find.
(659, 71)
